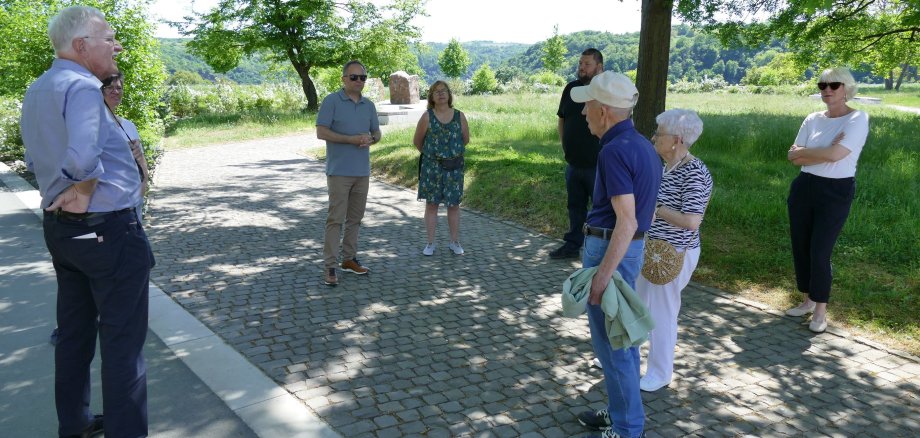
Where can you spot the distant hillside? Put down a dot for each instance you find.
(695, 56)
(250, 71)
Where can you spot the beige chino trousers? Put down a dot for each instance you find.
(347, 200)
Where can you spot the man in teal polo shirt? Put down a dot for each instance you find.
(348, 123)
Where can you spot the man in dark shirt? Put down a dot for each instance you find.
(580, 148)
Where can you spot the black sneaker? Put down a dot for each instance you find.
(596, 420)
(566, 251)
(606, 433)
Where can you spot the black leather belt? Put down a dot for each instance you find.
(607, 233)
(90, 218)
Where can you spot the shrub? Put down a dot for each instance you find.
(11, 148)
(484, 80)
(547, 78)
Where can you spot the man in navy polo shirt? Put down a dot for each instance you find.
(625, 191)
(348, 122)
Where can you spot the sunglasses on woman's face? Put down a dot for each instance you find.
(833, 85)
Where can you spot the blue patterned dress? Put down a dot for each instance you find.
(436, 185)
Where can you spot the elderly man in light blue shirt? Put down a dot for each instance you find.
(89, 184)
(348, 122)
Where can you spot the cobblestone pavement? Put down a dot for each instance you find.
(473, 345)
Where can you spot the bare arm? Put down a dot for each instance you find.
(802, 156)
(687, 221)
(420, 130)
(625, 208)
(464, 129)
(560, 127)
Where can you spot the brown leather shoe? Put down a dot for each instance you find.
(354, 266)
(329, 277)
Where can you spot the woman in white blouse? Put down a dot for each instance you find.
(686, 186)
(827, 148)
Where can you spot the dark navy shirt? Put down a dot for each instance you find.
(579, 145)
(626, 164)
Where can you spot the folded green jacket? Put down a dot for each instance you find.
(627, 319)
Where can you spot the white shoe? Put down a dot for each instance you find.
(429, 249)
(649, 385)
(455, 247)
(801, 311)
(597, 362)
(818, 326)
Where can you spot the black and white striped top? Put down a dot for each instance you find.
(686, 189)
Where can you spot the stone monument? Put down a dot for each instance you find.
(374, 89)
(403, 88)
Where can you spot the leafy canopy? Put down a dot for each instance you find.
(308, 34)
(27, 53)
(554, 52)
(454, 60)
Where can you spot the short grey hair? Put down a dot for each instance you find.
(683, 122)
(841, 74)
(351, 63)
(71, 23)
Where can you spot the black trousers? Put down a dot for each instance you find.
(818, 208)
(103, 276)
(579, 186)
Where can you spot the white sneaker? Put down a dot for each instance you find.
(455, 247)
(597, 362)
(649, 385)
(429, 249)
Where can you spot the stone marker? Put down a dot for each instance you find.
(374, 89)
(403, 88)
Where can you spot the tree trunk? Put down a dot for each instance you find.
(897, 85)
(309, 89)
(652, 72)
(889, 81)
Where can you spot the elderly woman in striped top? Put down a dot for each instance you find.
(686, 186)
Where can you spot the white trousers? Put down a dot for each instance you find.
(663, 302)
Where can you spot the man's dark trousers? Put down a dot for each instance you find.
(105, 277)
(579, 184)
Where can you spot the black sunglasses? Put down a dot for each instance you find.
(356, 77)
(834, 85)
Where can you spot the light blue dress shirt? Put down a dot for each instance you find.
(70, 136)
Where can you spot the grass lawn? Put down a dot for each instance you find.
(515, 171)
(908, 95)
(205, 130)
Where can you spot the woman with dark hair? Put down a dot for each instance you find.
(113, 91)
(827, 148)
(441, 136)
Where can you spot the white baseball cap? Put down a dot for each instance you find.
(608, 88)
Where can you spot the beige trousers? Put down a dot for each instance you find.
(347, 199)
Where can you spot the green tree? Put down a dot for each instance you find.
(781, 70)
(454, 60)
(883, 33)
(554, 52)
(25, 22)
(484, 80)
(185, 77)
(309, 34)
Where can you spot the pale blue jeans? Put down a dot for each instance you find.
(621, 367)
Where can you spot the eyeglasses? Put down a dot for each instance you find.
(833, 85)
(440, 91)
(113, 89)
(353, 78)
(108, 39)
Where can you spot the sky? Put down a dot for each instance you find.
(505, 21)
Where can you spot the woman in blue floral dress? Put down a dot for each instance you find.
(441, 136)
